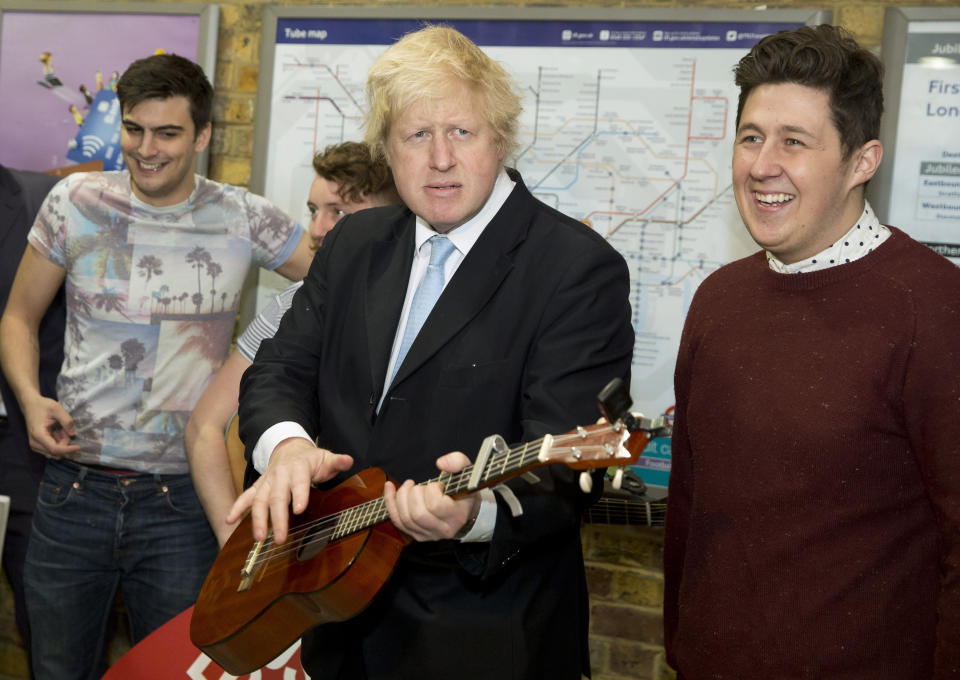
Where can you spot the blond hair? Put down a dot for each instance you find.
(424, 65)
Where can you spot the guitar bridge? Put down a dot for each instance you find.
(250, 567)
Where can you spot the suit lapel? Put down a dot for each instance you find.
(476, 280)
(389, 270)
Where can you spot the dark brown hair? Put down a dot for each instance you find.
(826, 58)
(162, 76)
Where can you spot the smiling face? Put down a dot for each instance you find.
(326, 207)
(795, 191)
(445, 159)
(160, 149)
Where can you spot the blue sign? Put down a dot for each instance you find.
(653, 465)
(529, 33)
(99, 135)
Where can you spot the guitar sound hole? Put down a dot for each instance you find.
(314, 542)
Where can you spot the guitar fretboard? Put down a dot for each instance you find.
(600, 443)
(501, 465)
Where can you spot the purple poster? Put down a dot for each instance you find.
(58, 73)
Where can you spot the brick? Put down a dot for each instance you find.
(230, 170)
(218, 141)
(631, 587)
(223, 76)
(627, 622)
(625, 545)
(241, 140)
(633, 660)
(246, 47)
(238, 45)
(599, 655)
(662, 670)
(864, 21)
(247, 78)
(230, 108)
(599, 581)
(240, 110)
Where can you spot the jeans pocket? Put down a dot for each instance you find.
(55, 494)
(181, 497)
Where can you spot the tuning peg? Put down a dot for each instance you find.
(586, 482)
(618, 478)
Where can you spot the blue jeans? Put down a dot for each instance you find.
(94, 531)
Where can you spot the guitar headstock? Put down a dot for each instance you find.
(619, 440)
(594, 446)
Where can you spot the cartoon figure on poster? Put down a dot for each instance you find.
(96, 113)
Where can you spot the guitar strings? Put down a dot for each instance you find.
(374, 511)
(374, 508)
(627, 511)
(367, 514)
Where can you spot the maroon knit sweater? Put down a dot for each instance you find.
(813, 526)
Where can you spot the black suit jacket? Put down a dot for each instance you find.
(533, 324)
(21, 194)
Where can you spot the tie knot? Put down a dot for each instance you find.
(440, 249)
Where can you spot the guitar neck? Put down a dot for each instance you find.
(584, 447)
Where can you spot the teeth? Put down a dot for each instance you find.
(773, 198)
(148, 166)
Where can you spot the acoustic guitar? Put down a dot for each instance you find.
(625, 501)
(628, 511)
(259, 596)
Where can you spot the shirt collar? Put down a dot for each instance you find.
(464, 236)
(862, 238)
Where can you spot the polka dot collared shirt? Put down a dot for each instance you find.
(865, 235)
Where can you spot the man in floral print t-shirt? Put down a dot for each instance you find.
(153, 258)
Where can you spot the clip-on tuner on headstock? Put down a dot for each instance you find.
(614, 403)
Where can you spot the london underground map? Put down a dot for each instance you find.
(627, 126)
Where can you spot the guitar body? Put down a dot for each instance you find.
(299, 586)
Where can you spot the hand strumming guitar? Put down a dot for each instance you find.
(294, 465)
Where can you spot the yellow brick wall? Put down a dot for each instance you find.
(623, 563)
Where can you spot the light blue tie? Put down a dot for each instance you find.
(431, 285)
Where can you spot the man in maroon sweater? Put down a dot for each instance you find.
(813, 527)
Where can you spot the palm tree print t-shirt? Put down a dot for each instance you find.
(152, 297)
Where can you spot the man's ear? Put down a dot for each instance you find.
(866, 161)
(203, 138)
